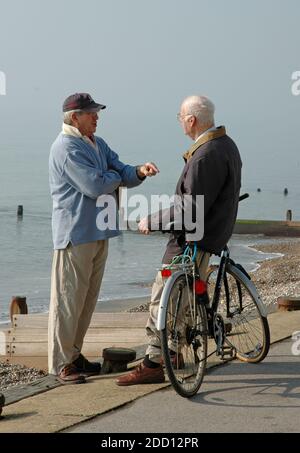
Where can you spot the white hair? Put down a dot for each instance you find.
(68, 116)
(202, 108)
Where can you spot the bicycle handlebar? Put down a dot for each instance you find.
(243, 197)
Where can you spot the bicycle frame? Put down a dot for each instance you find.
(225, 309)
(225, 263)
(242, 277)
(161, 319)
(220, 278)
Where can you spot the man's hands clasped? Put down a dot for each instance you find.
(148, 169)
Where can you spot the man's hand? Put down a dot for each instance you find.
(143, 226)
(148, 169)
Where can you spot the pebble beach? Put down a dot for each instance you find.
(279, 276)
(12, 375)
(274, 278)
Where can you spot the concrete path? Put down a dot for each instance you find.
(236, 397)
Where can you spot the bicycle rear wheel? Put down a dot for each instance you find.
(245, 325)
(184, 338)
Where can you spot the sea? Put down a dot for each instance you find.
(26, 244)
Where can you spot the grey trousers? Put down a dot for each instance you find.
(75, 284)
(154, 345)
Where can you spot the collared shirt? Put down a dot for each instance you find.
(67, 129)
(213, 128)
(79, 173)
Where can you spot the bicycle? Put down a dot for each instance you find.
(225, 308)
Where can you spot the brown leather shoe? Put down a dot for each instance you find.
(142, 375)
(70, 375)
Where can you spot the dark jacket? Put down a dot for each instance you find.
(213, 169)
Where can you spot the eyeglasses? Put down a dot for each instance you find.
(181, 117)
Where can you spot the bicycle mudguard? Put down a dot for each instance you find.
(240, 267)
(161, 318)
(242, 277)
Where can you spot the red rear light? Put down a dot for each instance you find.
(200, 287)
(166, 273)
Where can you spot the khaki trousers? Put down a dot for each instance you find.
(77, 273)
(154, 345)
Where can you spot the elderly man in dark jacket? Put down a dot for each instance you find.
(212, 169)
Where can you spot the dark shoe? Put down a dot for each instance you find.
(177, 361)
(85, 367)
(69, 375)
(142, 375)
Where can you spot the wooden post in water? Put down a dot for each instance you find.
(20, 211)
(18, 306)
(289, 215)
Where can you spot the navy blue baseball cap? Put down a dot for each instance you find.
(81, 101)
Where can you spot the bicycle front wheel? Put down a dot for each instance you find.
(245, 324)
(184, 338)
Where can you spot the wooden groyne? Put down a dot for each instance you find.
(26, 341)
(268, 228)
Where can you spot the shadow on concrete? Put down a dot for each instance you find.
(13, 417)
(259, 388)
(265, 368)
(261, 381)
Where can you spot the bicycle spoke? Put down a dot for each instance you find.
(248, 333)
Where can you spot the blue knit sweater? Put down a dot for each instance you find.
(78, 175)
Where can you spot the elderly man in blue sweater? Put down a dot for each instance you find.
(82, 167)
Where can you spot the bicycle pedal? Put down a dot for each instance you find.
(227, 353)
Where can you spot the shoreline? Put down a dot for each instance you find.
(273, 277)
(116, 305)
(259, 245)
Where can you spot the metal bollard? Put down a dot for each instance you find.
(116, 359)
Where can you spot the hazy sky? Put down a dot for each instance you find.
(141, 58)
